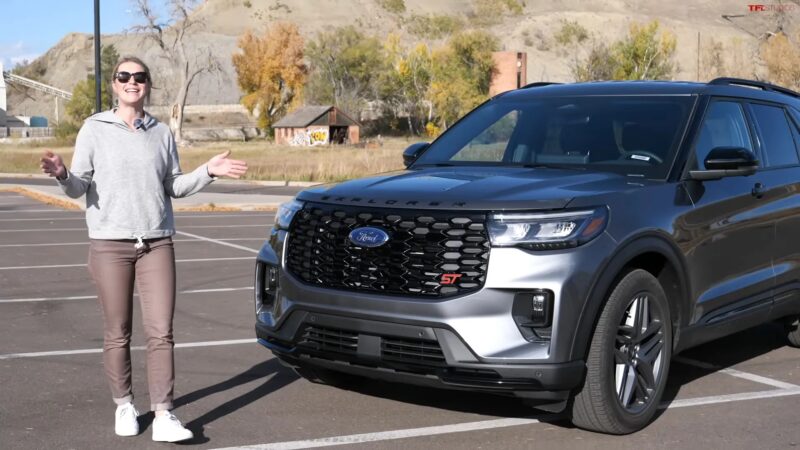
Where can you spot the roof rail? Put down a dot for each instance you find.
(538, 84)
(756, 84)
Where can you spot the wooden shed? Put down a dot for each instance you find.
(316, 125)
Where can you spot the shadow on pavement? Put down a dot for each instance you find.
(274, 375)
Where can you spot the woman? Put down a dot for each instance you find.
(126, 163)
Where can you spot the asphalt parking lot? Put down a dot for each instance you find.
(739, 392)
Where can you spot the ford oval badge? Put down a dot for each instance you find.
(368, 237)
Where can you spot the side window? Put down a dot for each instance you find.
(491, 144)
(723, 126)
(776, 136)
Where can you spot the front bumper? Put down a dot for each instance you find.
(465, 342)
(412, 354)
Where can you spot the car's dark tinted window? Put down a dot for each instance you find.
(630, 135)
(778, 147)
(723, 125)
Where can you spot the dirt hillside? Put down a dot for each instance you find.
(728, 22)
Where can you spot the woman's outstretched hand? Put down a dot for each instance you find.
(53, 165)
(221, 166)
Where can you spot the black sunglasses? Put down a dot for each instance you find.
(139, 77)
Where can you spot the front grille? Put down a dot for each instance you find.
(423, 246)
(411, 351)
(328, 341)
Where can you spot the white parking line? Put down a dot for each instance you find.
(196, 241)
(215, 241)
(61, 219)
(39, 211)
(265, 224)
(61, 266)
(490, 424)
(737, 373)
(142, 347)
(90, 297)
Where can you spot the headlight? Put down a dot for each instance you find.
(286, 211)
(547, 231)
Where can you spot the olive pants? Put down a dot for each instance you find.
(114, 266)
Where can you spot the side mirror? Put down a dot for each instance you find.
(726, 162)
(413, 152)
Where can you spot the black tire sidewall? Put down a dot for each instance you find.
(631, 285)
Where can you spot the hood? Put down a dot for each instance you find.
(109, 117)
(473, 188)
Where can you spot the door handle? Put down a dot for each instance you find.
(758, 190)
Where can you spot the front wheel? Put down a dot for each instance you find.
(628, 360)
(793, 331)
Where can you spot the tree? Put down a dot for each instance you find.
(406, 82)
(599, 64)
(172, 37)
(82, 103)
(644, 54)
(461, 76)
(782, 58)
(344, 66)
(271, 71)
(108, 59)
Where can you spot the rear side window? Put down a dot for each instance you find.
(776, 136)
(723, 126)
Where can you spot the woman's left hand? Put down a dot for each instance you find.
(221, 166)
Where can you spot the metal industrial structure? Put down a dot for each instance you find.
(9, 77)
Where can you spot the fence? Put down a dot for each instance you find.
(26, 132)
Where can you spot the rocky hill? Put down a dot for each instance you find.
(730, 24)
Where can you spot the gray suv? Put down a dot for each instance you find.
(560, 243)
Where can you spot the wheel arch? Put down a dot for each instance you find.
(657, 254)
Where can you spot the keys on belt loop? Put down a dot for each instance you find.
(139, 243)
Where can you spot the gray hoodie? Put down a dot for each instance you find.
(128, 177)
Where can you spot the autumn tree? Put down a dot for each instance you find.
(645, 53)
(271, 71)
(82, 104)
(173, 36)
(406, 82)
(108, 59)
(344, 68)
(462, 72)
(782, 58)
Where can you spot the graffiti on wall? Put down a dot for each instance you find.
(310, 137)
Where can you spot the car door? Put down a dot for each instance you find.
(777, 135)
(727, 238)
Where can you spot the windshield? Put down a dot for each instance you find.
(629, 135)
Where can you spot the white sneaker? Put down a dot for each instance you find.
(167, 428)
(125, 423)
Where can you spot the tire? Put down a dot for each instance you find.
(329, 377)
(793, 331)
(627, 365)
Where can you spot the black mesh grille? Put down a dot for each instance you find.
(329, 340)
(408, 351)
(423, 246)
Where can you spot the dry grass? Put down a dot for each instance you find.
(266, 161)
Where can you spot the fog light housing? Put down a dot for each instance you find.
(533, 313)
(266, 286)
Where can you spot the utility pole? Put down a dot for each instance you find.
(98, 81)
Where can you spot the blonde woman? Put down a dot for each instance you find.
(126, 163)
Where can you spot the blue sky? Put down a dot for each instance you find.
(28, 28)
